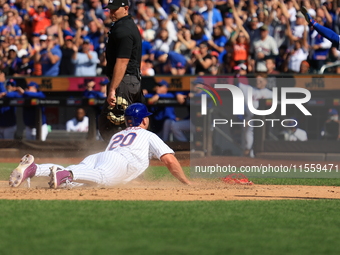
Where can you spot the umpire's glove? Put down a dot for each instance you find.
(116, 113)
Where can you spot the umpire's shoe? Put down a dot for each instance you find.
(25, 170)
(59, 176)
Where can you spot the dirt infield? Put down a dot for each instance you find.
(168, 190)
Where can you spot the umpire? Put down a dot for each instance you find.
(123, 56)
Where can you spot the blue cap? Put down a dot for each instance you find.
(293, 122)
(104, 81)
(158, 53)
(33, 84)
(332, 112)
(86, 39)
(177, 60)
(163, 83)
(228, 15)
(198, 80)
(187, 26)
(11, 82)
(66, 33)
(180, 65)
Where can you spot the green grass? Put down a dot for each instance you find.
(158, 227)
(161, 173)
(6, 169)
(139, 227)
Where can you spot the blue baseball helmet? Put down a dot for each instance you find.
(33, 84)
(11, 82)
(135, 113)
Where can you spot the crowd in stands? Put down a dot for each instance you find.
(203, 37)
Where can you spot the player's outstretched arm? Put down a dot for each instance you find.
(175, 168)
(323, 31)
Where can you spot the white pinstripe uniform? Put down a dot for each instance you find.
(125, 158)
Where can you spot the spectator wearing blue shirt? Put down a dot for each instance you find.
(91, 93)
(177, 63)
(85, 61)
(10, 27)
(219, 40)
(181, 127)
(212, 16)
(48, 54)
(166, 4)
(320, 46)
(103, 87)
(8, 113)
(162, 117)
(95, 33)
(199, 35)
(30, 120)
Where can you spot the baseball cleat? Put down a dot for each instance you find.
(59, 176)
(306, 14)
(24, 171)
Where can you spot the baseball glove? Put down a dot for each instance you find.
(116, 113)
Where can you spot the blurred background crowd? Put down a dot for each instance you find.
(203, 37)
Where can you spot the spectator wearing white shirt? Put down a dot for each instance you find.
(85, 61)
(262, 48)
(291, 10)
(309, 8)
(167, 22)
(80, 123)
(293, 133)
(300, 26)
(161, 46)
(298, 52)
(258, 92)
(201, 6)
(278, 22)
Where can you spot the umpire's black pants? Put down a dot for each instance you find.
(130, 89)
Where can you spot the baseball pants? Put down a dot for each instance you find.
(130, 89)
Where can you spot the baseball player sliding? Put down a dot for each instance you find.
(125, 158)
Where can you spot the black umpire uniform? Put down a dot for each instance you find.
(124, 41)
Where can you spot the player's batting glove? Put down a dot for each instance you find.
(116, 113)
